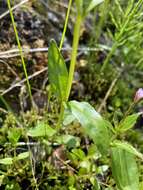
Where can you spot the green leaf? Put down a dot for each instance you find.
(6, 161)
(128, 147)
(84, 7)
(128, 122)
(9, 161)
(86, 165)
(68, 117)
(69, 140)
(78, 154)
(42, 129)
(95, 183)
(22, 155)
(124, 169)
(94, 125)
(12, 185)
(57, 71)
(14, 135)
(92, 5)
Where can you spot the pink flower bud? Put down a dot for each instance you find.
(139, 95)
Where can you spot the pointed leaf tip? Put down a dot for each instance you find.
(57, 71)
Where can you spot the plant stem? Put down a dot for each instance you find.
(129, 110)
(65, 25)
(28, 84)
(60, 47)
(74, 54)
(72, 65)
(103, 11)
(60, 116)
(126, 21)
(113, 49)
(20, 50)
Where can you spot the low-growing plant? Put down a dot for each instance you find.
(105, 142)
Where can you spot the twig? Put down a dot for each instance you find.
(8, 66)
(23, 81)
(29, 77)
(13, 8)
(103, 104)
(24, 144)
(15, 52)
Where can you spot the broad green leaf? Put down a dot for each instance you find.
(14, 135)
(69, 140)
(124, 169)
(78, 154)
(22, 155)
(93, 4)
(42, 129)
(68, 117)
(6, 161)
(128, 147)
(57, 71)
(9, 161)
(94, 125)
(128, 122)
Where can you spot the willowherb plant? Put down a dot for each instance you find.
(102, 132)
(106, 137)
